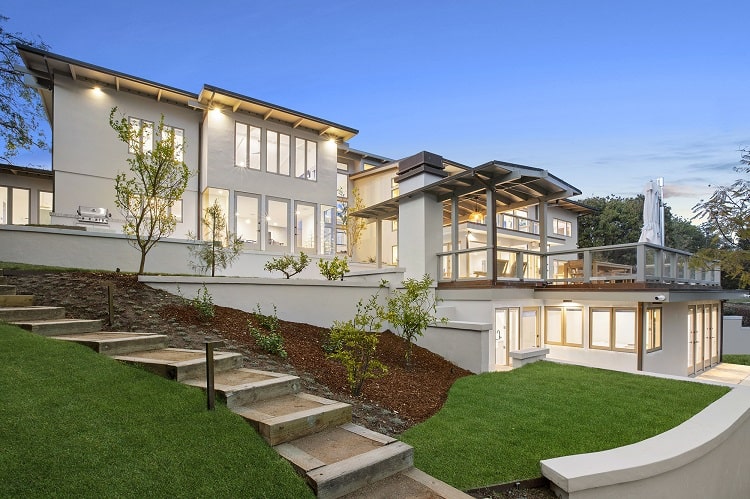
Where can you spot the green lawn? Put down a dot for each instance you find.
(496, 427)
(74, 423)
(742, 359)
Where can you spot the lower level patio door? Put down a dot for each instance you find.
(506, 333)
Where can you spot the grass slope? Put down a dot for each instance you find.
(496, 427)
(75, 423)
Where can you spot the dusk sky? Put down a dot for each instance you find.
(605, 95)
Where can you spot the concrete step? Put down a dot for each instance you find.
(117, 343)
(57, 327)
(180, 364)
(346, 458)
(242, 387)
(13, 314)
(413, 484)
(289, 417)
(16, 300)
(7, 289)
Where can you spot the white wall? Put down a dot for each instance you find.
(87, 155)
(313, 302)
(736, 337)
(706, 456)
(466, 344)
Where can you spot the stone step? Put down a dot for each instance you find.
(412, 483)
(242, 387)
(16, 300)
(180, 364)
(7, 289)
(57, 327)
(289, 417)
(13, 314)
(117, 343)
(3, 279)
(346, 458)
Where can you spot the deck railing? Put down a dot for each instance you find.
(621, 263)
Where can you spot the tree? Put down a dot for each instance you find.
(727, 212)
(288, 265)
(618, 220)
(220, 248)
(21, 108)
(354, 226)
(412, 310)
(159, 178)
(354, 342)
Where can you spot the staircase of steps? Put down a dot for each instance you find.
(8, 296)
(316, 435)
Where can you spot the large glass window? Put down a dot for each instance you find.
(277, 152)
(144, 140)
(562, 227)
(247, 146)
(277, 224)
(600, 328)
(176, 210)
(613, 328)
(306, 159)
(625, 327)
(304, 227)
(653, 329)
(327, 229)
(564, 326)
(341, 245)
(213, 195)
(247, 219)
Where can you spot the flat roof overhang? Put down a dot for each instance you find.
(515, 186)
(671, 293)
(25, 171)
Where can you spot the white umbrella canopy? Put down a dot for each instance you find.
(652, 229)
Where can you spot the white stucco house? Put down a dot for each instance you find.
(498, 238)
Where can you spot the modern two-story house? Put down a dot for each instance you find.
(498, 238)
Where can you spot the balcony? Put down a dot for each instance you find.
(622, 264)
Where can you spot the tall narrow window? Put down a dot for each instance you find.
(247, 146)
(304, 227)
(277, 152)
(394, 188)
(306, 159)
(21, 206)
(247, 218)
(342, 185)
(553, 325)
(213, 195)
(45, 207)
(601, 326)
(176, 210)
(144, 140)
(653, 329)
(327, 229)
(179, 140)
(277, 224)
(4, 207)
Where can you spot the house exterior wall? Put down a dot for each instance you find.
(87, 154)
(736, 337)
(561, 242)
(375, 188)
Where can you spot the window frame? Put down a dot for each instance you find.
(651, 333)
(266, 235)
(276, 168)
(297, 236)
(142, 126)
(305, 160)
(248, 152)
(567, 224)
(563, 326)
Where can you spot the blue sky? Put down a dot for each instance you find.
(606, 95)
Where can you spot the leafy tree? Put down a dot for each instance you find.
(728, 218)
(21, 108)
(288, 265)
(412, 310)
(354, 226)
(618, 220)
(158, 179)
(220, 248)
(354, 343)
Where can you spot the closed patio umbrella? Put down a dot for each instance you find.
(652, 225)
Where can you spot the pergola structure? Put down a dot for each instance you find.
(496, 186)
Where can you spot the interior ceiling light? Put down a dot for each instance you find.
(475, 216)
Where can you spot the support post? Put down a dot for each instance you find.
(210, 394)
(111, 302)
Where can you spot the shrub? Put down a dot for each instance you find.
(412, 310)
(288, 265)
(334, 269)
(270, 340)
(203, 303)
(354, 343)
